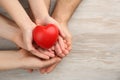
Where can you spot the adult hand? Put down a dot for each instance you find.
(24, 40)
(30, 61)
(19, 15)
(60, 46)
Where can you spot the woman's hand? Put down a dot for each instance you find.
(17, 12)
(30, 61)
(24, 40)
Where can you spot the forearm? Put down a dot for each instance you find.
(39, 9)
(47, 3)
(64, 9)
(16, 11)
(10, 60)
(7, 29)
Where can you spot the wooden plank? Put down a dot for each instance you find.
(96, 46)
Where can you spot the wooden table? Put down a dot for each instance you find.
(95, 27)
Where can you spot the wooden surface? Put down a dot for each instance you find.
(96, 46)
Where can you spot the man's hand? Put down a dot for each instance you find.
(62, 14)
(60, 46)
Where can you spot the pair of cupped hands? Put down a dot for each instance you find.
(54, 54)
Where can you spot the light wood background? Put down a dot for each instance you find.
(95, 27)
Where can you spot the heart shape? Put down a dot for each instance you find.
(45, 36)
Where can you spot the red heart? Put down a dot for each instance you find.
(45, 36)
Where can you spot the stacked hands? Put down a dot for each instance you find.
(48, 42)
(42, 40)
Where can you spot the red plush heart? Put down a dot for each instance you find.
(45, 36)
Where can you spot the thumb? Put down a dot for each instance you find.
(50, 62)
(61, 31)
(62, 34)
(59, 27)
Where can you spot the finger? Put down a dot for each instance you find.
(64, 41)
(51, 68)
(67, 50)
(69, 41)
(62, 34)
(46, 52)
(30, 70)
(43, 70)
(60, 29)
(70, 48)
(39, 54)
(66, 45)
(61, 43)
(50, 62)
(58, 50)
(51, 51)
(48, 69)
(53, 48)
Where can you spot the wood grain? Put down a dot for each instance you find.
(95, 27)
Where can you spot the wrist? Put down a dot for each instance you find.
(41, 20)
(18, 62)
(21, 61)
(27, 26)
(17, 34)
(60, 19)
(10, 60)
